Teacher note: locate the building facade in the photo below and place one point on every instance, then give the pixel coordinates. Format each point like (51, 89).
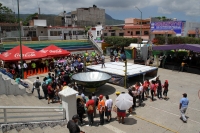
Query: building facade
(9, 30)
(133, 26)
(88, 16)
(113, 30)
(66, 33)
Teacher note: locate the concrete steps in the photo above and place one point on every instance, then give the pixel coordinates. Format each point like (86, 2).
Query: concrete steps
(28, 100)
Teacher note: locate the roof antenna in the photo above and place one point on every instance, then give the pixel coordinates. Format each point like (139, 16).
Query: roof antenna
(38, 8)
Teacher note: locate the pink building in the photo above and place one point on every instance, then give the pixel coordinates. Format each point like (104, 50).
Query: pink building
(132, 28)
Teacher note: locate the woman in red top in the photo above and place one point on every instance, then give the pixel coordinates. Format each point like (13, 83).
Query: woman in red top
(146, 87)
(165, 86)
(50, 93)
(152, 88)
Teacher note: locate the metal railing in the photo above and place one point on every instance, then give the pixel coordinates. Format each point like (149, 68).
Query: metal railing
(49, 38)
(15, 39)
(12, 114)
(96, 45)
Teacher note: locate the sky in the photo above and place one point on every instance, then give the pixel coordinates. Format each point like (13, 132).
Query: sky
(188, 10)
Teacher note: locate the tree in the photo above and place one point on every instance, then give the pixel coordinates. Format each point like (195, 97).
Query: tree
(87, 28)
(6, 15)
(120, 41)
(26, 21)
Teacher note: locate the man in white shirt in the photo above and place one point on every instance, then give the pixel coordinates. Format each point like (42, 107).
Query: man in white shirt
(108, 104)
(103, 61)
(140, 91)
(25, 66)
(19, 69)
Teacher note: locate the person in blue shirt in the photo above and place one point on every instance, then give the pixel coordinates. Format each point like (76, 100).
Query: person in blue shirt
(183, 107)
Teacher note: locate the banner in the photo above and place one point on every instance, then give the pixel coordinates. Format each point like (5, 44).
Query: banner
(176, 26)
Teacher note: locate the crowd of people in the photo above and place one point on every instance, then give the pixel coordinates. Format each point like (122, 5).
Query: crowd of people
(61, 72)
(138, 91)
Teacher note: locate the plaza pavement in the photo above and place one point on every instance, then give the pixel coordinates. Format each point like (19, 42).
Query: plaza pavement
(160, 116)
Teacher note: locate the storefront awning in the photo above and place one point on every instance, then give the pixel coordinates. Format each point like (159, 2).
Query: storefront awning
(192, 47)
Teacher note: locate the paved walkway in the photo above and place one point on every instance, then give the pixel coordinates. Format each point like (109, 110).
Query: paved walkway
(160, 116)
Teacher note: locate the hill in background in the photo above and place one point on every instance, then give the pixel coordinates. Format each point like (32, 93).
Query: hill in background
(56, 20)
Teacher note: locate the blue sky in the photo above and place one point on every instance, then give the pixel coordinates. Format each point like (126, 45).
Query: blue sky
(188, 10)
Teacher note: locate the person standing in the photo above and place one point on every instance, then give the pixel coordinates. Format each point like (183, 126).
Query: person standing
(94, 97)
(183, 107)
(103, 61)
(25, 66)
(159, 88)
(19, 69)
(152, 86)
(108, 109)
(80, 109)
(101, 108)
(165, 86)
(36, 85)
(72, 126)
(50, 93)
(44, 88)
(121, 114)
(90, 110)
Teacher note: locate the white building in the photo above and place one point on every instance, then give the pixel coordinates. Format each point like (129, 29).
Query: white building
(96, 32)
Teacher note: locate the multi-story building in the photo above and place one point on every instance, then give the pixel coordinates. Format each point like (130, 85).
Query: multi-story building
(88, 16)
(113, 30)
(134, 26)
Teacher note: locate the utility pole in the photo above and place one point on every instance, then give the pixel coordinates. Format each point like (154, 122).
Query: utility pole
(125, 74)
(20, 41)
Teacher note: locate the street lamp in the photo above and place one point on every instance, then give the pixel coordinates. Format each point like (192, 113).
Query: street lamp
(20, 41)
(140, 24)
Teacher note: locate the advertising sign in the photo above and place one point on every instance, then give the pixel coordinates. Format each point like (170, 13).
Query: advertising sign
(176, 26)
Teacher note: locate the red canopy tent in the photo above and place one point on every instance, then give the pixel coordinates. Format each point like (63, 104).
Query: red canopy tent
(53, 51)
(27, 54)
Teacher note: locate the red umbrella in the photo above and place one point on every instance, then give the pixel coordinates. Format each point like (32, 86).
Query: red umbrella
(53, 50)
(27, 54)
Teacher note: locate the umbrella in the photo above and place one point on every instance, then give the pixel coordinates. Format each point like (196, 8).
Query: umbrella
(124, 101)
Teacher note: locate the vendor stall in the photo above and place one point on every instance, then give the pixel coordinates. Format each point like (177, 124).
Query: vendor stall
(54, 51)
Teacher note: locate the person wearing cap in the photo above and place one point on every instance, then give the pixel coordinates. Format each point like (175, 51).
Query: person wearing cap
(101, 108)
(183, 107)
(72, 126)
(117, 93)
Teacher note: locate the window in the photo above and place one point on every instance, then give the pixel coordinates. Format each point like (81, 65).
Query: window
(131, 33)
(98, 33)
(74, 32)
(121, 34)
(59, 33)
(51, 33)
(41, 31)
(137, 32)
(80, 32)
(105, 34)
(112, 34)
(128, 32)
(32, 33)
(146, 32)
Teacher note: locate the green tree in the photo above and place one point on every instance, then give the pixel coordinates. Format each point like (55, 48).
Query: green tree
(6, 15)
(26, 21)
(120, 41)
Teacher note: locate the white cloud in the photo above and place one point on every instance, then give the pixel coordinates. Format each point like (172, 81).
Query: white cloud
(163, 11)
(188, 7)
